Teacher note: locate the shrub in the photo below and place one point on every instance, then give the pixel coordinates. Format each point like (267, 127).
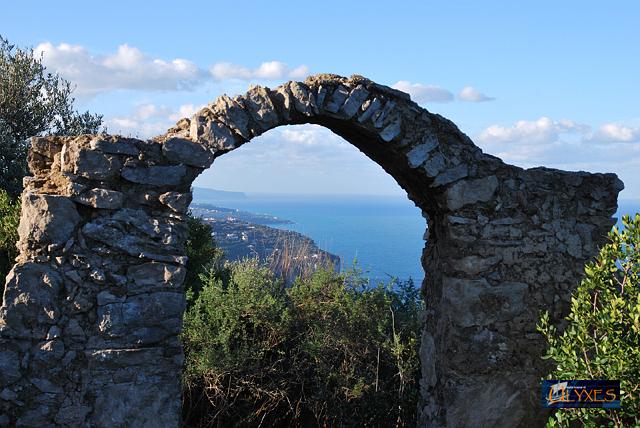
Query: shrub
(329, 351)
(202, 252)
(9, 219)
(602, 338)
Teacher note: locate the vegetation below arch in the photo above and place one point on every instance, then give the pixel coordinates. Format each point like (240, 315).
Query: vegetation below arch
(327, 351)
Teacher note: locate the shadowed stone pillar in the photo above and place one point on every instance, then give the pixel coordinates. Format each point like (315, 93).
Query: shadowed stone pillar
(92, 310)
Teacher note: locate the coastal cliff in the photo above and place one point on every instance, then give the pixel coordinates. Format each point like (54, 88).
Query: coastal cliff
(240, 235)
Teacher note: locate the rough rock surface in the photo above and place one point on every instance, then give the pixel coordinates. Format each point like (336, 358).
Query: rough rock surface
(92, 310)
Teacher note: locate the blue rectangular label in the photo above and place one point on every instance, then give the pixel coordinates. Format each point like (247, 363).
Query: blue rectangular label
(581, 393)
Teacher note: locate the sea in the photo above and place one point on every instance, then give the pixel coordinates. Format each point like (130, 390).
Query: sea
(380, 235)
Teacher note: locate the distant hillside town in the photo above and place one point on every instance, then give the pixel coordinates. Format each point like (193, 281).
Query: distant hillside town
(241, 234)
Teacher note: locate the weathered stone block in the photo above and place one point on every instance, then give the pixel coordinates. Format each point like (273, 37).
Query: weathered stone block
(101, 198)
(261, 108)
(106, 298)
(51, 351)
(8, 395)
(148, 404)
(115, 146)
(112, 234)
(94, 165)
(74, 329)
(473, 302)
(434, 165)
(219, 136)
(233, 115)
(420, 153)
(9, 367)
(379, 118)
(133, 232)
(147, 318)
(392, 131)
(471, 191)
(72, 414)
(172, 175)
(46, 219)
(303, 100)
(181, 150)
(453, 174)
(283, 97)
(338, 98)
(354, 101)
(151, 275)
(179, 202)
(473, 401)
(321, 95)
(428, 361)
(31, 303)
(46, 146)
(196, 127)
(372, 108)
(473, 265)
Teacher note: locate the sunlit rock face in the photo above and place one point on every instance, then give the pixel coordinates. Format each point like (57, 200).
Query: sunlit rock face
(93, 308)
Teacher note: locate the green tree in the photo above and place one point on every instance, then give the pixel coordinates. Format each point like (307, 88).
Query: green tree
(202, 252)
(33, 102)
(329, 350)
(602, 338)
(9, 219)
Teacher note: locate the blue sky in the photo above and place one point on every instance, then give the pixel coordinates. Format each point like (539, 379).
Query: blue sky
(536, 83)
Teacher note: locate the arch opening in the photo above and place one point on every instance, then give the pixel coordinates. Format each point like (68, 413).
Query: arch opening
(327, 190)
(97, 289)
(318, 213)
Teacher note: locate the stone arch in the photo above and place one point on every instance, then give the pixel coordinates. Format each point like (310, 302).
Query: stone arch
(92, 310)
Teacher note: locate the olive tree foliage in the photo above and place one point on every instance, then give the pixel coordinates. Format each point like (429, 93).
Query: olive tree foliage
(33, 102)
(9, 219)
(602, 338)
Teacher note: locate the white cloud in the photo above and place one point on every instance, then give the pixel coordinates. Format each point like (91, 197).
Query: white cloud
(568, 145)
(271, 70)
(148, 111)
(148, 120)
(424, 93)
(226, 70)
(533, 143)
(185, 110)
(311, 135)
(127, 68)
(299, 159)
(471, 94)
(543, 130)
(306, 147)
(300, 72)
(616, 133)
(130, 68)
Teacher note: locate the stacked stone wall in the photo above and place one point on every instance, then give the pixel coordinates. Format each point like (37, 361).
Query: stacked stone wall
(91, 315)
